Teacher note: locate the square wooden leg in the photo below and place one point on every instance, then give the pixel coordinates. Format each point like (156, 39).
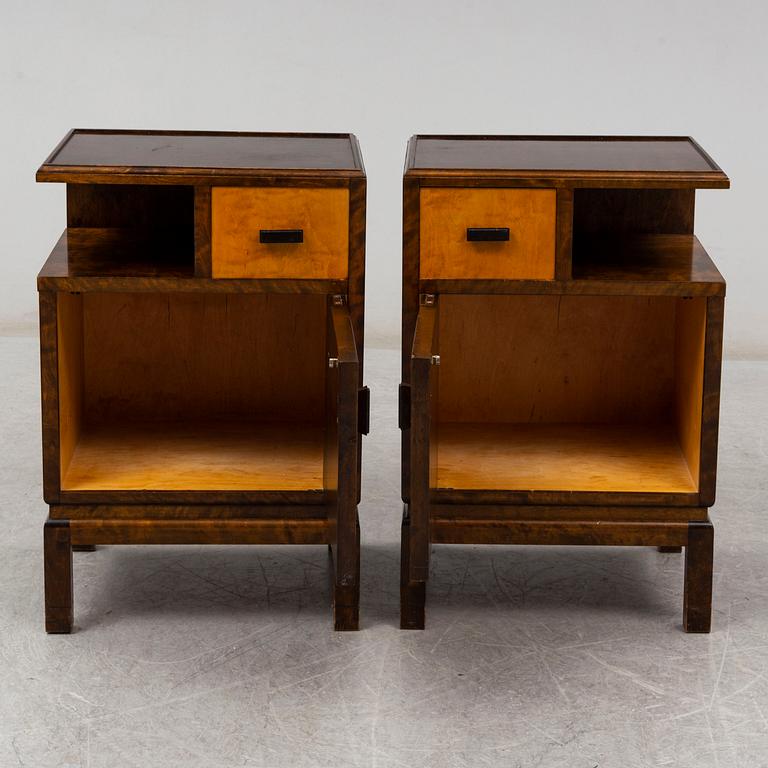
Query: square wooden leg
(57, 558)
(412, 593)
(346, 597)
(697, 601)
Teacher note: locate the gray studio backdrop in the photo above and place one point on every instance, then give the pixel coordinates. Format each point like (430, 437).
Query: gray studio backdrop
(385, 70)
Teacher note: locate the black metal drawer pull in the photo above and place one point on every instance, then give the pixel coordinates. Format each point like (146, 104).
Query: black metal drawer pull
(281, 235)
(487, 234)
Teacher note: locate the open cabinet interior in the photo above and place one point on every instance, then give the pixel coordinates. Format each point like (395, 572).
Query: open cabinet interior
(568, 393)
(192, 391)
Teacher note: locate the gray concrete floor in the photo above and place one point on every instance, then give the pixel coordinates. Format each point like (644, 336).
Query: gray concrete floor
(212, 656)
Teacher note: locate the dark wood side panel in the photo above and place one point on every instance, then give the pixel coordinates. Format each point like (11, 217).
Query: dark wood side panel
(564, 234)
(203, 265)
(710, 415)
(356, 292)
(410, 308)
(346, 410)
(421, 407)
(49, 383)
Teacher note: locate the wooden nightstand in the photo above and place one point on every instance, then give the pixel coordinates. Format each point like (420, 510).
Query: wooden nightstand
(201, 332)
(562, 334)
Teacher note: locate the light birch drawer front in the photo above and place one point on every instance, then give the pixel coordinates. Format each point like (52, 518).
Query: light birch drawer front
(487, 233)
(279, 232)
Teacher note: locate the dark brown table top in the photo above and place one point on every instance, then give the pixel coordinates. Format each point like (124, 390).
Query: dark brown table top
(180, 152)
(606, 156)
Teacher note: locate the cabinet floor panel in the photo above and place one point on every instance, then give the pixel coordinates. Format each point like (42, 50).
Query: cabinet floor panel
(207, 456)
(561, 457)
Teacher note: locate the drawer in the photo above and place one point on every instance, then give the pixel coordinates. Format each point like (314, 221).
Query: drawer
(457, 226)
(279, 232)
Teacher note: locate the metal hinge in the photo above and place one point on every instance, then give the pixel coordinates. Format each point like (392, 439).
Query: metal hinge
(363, 410)
(404, 407)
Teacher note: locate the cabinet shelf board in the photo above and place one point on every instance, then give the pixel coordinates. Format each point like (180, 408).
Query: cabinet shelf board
(116, 260)
(561, 457)
(204, 456)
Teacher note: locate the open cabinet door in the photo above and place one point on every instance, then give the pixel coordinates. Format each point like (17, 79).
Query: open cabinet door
(341, 463)
(415, 540)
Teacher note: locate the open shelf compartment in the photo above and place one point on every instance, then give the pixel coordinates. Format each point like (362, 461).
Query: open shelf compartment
(567, 393)
(193, 392)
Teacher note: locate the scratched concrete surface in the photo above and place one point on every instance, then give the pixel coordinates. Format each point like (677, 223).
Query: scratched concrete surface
(195, 656)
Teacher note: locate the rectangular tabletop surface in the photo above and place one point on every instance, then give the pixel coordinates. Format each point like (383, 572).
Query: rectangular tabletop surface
(605, 155)
(166, 151)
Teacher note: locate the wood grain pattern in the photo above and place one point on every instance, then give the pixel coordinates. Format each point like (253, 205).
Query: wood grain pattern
(70, 374)
(421, 417)
(605, 212)
(697, 592)
(690, 328)
(546, 358)
(569, 409)
(412, 593)
(564, 234)
(667, 260)
(113, 261)
(570, 533)
(544, 498)
(172, 356)
(57, 564)
(203, 265)
(197, 456)
(238, 214)
(568, 512)
(49, 395)
(346, 546)
(200, 531)
(189, 150)
(138, 511)
(194, 410)
(447, 213)
(567, 457)
(581, 161)
(409, 310)
(710, 408)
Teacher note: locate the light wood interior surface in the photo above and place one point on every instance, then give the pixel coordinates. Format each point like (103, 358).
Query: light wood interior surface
(569, 393)
(447, 212)
(238, 213)
(227, 456)
(556, 358)
(246, 372)
(180, 356)
(554, 457)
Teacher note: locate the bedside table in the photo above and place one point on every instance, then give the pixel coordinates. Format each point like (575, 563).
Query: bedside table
(562, 334)
(201, 332)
